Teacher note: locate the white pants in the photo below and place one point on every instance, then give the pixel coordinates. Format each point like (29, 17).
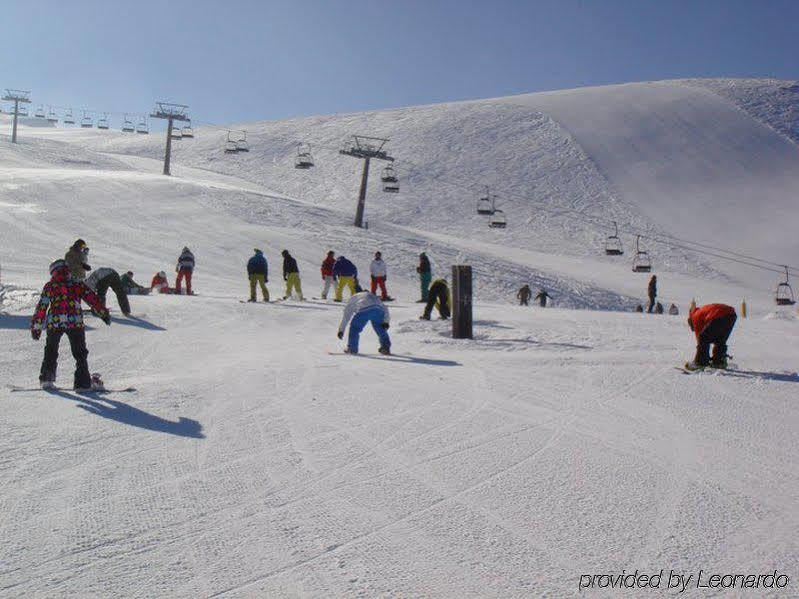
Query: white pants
(328, 279)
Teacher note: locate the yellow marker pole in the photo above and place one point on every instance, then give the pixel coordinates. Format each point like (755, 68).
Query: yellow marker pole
(743, 308)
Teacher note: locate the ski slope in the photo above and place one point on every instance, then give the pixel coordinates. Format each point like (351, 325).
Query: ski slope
(251, 463)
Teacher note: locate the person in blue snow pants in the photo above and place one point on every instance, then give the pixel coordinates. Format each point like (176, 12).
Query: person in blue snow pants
(361, 309)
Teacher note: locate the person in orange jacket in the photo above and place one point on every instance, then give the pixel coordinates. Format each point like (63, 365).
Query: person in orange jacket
(712, 324)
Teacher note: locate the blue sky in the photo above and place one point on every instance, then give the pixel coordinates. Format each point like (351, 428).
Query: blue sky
(247, 60)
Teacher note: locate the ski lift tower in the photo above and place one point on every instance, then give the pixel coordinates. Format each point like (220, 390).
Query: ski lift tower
(16, 96)
(170, 112)
(365, 148)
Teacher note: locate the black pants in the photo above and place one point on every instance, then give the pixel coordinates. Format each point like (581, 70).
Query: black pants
(77, 342)
(524, 301)
(437, 293)
(543, 301)
(114, 282)
(651, 303)
(716, 332)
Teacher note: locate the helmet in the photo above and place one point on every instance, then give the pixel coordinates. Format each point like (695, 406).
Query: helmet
(54, 266)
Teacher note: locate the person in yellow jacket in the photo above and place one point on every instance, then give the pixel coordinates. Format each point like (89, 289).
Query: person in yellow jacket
(291, 274)
(439, 297)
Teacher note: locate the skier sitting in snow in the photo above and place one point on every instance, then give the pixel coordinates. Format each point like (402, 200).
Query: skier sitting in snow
(362, 308)
(103, 278)
(542, 298)
(674, 310)
(347, 275)
(523, 295)
(130, 286)
(160, 283)
(437, 296)
(712, 324)
(327, 272)
(258, 273)
(291, 274)
(76, 259)
(184, 268)
(59, 312)
(379, 273)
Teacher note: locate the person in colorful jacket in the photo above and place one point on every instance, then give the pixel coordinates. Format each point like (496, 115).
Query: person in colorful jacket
(184, 268)
(347, 275)
(379, 273)
(361, 309)
(77, 258)
(291, 274)
(712, 324)
(258, 273)
(327, 272)
(59, 312)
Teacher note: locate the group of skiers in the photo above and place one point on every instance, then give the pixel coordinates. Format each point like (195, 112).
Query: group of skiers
(59, 312)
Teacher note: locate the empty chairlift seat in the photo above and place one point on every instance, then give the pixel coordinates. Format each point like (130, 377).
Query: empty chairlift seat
(86, 121)
(103, 122)
(484, 206)
(390, 180)
(241, 143)
(784, 295)
(40, 112)
(304, 159)
(68, 118)
(642, 262)
(51, 116)
(613, 243)
(187, 131)
(497, 220)
(142, 127)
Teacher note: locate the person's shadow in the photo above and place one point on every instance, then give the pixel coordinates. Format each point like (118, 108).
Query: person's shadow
(783, 377)
(101, 405)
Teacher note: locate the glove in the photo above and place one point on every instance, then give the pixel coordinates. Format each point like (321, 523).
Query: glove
(107, 319)
(86, 267)
(341, 334)
(36, 333)
(385, 325)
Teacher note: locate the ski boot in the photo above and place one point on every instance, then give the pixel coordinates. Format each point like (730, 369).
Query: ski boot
(384, 350)
(47, 384)
(693, 366)
(721, 362)
(347, 350)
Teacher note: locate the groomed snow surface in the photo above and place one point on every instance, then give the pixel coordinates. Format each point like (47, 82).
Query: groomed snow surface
(249, 462)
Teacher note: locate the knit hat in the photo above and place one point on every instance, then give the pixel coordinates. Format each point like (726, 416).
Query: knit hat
(284, 253)
(331, 253)
(54, 266)
(257, 251)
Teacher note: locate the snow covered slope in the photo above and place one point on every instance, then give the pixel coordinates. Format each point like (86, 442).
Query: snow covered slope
(251, 463)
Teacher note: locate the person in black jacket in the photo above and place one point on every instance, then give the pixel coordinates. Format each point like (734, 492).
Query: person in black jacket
(542, 298)
(104, 278)
(425, 275)
(291, 274)
(652, 292)
(437, 297)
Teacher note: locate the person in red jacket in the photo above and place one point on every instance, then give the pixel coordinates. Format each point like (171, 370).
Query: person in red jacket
(712, 324)
(59, 312)
(160, 283)
(327, 272)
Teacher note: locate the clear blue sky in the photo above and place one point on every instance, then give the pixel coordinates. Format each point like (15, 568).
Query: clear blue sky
(238, 60)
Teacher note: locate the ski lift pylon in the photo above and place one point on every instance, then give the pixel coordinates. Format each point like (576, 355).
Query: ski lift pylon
(613, 243)
(641, 263)
(784, 295)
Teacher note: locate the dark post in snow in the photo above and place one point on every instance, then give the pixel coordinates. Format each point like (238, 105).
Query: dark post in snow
(365, 148)
(170, 112)
(461, 301)
(16, 96)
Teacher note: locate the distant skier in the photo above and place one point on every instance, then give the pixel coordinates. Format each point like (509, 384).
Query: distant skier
(542, 298)
(184, 268)
(652, 292)
(258, 273)
(130, 286)
(674, 310)
(291, 274)
(658, 308)
(103, 278)
(77, 258)
(362, 308)
(523, 295)
(438, 297)
(59, 312)
(425, 276)
(327, 273)
(712, 324)
(160, 283)
(347, 274)
(639, 308)
(379, 273)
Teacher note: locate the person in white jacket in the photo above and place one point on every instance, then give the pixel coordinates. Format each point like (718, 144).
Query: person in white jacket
(362, 308)
(379, 275)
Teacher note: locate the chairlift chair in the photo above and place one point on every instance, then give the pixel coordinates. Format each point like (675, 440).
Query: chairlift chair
(176, 133)
(22, 110)
(241, 143)
(304, 160)
(68, 118)
(187, 131)
(391, 187)
(103, 122)
(230, 145)
(388, 175)
(641, 263)
(484, 204)
(497, 220)
(40, 112)
(613, 243)
(86, 121)
(785, 296)
(142, 127)
(51, 115)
